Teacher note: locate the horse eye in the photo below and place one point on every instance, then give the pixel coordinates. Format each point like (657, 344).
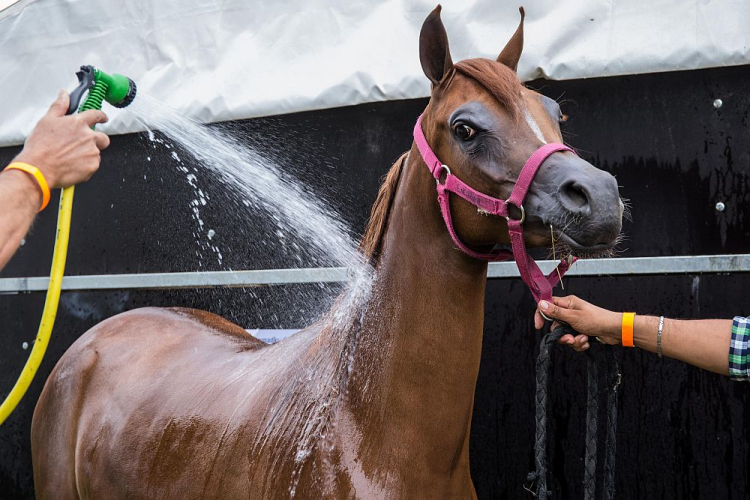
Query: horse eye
(464, 132)
(563, 117)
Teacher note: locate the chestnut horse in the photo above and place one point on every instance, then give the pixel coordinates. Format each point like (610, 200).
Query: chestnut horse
(179, 403)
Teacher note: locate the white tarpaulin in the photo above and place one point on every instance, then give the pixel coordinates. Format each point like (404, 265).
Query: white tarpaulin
(230, 59)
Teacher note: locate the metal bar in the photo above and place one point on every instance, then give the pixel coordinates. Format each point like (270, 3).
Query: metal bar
(691, 264)
(498, 270)
(179, 280)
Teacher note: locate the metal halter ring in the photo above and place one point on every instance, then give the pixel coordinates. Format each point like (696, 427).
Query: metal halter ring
(545, 316)
(447, 171)
(523, 213)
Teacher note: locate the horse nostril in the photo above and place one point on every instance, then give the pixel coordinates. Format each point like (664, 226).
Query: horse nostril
(574, 195)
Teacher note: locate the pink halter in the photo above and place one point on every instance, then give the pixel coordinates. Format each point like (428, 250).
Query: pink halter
(539, 284)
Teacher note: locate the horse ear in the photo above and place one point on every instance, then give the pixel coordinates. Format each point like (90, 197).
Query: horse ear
(512, 51)
(434, 53)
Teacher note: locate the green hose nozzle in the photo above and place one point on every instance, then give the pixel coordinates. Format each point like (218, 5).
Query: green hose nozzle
(118, 90)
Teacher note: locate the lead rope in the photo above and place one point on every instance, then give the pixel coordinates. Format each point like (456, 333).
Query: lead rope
(594, 361)
(613, 382)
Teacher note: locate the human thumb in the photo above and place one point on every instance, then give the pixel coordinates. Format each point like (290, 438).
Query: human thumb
(551, 310)
(60, 106)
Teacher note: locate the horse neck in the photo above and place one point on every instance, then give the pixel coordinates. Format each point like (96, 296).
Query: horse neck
(417, 359)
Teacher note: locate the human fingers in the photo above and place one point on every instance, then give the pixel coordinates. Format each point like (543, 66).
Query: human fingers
(60, 105)
(93, 116)
(581, 347)
(555, 310)
(538, 319)
(102, 140)
(568, 302)
(580, 342)
(566, 339)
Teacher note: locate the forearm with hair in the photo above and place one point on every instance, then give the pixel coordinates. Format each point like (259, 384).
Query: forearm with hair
(21, 199)
(702, 342)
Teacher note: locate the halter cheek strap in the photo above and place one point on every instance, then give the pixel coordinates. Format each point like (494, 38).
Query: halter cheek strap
(539, 284)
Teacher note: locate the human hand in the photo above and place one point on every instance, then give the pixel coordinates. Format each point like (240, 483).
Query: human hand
(65, 148)
(585, 318)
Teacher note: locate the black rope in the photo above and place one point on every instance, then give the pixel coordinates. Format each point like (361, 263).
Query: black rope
(613, 381)
(540, 443)
(592, 423)
(611, 371)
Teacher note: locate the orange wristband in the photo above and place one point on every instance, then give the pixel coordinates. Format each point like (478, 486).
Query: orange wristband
(37, 175)
(627, 329)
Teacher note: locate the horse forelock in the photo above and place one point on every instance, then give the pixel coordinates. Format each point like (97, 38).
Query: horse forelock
(372, 239)
(496, 78)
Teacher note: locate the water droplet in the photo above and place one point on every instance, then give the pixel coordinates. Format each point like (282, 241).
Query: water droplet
(720, 207)
(211, 234)
(718, 103)
(25, 346)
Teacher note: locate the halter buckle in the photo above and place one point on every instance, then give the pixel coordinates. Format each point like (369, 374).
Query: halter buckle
(520, 207)
(440, 170)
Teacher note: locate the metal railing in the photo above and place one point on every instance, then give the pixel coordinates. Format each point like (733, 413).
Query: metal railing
(497, 270)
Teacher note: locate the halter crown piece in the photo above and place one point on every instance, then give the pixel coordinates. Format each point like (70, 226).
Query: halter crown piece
(539, 284)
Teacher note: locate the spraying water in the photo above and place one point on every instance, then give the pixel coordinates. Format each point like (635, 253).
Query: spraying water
(256, 184)
(255, 181)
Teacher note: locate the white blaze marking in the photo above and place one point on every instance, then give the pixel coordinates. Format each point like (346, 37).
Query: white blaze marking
(534, 127)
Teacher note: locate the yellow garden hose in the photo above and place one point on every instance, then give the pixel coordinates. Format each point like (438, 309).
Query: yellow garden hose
(50, 306)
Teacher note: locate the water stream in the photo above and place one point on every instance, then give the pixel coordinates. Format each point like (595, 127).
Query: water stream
(307, 228)
(309, 379)
(256, 181)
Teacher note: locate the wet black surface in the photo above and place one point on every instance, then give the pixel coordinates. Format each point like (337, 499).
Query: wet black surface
(682, 433)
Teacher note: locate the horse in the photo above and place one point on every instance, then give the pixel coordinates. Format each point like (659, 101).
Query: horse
(180, 403)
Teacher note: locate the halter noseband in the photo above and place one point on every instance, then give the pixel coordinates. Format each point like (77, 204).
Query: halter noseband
(539, 284)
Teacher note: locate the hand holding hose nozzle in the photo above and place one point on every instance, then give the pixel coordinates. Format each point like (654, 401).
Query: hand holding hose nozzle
(61, 147)
(65, 149)
(71, 149)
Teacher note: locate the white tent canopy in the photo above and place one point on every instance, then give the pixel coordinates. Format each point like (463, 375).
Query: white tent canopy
(221, 60)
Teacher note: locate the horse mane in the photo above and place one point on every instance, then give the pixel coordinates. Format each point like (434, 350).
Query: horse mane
(372, 239)
(496, 78)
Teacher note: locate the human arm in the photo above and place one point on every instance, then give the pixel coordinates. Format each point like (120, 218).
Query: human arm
(702, 343)
(65, 150)
(21, 198)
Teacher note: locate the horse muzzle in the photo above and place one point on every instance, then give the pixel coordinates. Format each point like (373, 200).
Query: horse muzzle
(580, 202)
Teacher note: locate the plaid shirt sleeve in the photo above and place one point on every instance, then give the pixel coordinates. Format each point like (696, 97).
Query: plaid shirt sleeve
(739, 349)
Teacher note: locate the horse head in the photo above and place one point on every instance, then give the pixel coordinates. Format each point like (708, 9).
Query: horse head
(484, 124)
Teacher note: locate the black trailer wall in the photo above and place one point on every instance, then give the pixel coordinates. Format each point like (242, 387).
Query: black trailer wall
(683, 433)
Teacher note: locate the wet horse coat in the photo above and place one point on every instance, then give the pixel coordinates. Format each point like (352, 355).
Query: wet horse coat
(179, 403)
